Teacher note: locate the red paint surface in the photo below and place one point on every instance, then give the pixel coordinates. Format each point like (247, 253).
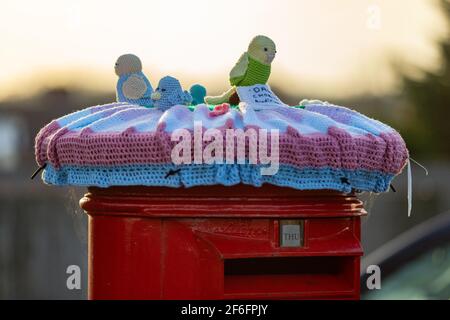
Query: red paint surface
(221, 243)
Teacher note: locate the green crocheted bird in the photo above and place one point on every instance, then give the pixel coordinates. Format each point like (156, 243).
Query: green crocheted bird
(253, 67)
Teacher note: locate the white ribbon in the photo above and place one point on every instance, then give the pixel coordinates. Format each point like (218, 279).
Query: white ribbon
(410, 182)
(409, 189)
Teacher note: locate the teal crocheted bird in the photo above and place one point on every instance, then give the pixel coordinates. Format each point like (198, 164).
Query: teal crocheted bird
(132, 86)
(198, 93)
(253, 67)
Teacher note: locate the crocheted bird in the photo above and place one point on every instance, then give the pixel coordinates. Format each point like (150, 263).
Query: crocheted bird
(132, 86)
(198, 93)
(253, 67)
(169, 93)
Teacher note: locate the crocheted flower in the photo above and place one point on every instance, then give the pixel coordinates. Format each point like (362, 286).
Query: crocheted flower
(220, 109)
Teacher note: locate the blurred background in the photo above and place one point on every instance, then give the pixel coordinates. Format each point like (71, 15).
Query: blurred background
(387, 59)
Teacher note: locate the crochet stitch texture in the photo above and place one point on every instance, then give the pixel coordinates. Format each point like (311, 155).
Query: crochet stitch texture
(126, 80)
(169, 93)
(256, 73)
(320, 147)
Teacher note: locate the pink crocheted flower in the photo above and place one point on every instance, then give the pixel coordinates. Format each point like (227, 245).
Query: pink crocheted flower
(220, 109)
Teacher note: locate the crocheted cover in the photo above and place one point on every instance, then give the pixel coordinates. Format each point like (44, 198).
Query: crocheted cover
(321, 147)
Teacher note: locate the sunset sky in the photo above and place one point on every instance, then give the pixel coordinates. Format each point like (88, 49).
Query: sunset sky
(328, 46)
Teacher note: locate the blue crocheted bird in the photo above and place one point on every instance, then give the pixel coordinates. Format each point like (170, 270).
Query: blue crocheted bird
(198, 93)
(132, 86)
(169, 93)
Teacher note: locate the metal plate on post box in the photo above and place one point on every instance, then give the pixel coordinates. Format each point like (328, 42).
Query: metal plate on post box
(291, 233)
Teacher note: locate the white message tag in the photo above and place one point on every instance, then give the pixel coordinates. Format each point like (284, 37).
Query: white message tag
(259, 97)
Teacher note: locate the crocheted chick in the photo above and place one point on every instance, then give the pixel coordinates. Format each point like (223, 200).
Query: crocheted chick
(198, 93)
(253, 67)
(132, 86)
(169, 93)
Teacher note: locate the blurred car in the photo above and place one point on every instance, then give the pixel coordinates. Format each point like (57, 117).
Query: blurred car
(415, 265)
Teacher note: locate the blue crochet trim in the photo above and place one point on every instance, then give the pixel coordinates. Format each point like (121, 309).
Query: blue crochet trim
(169, 175)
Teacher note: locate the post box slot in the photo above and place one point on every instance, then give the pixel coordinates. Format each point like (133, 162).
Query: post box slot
(292, 276)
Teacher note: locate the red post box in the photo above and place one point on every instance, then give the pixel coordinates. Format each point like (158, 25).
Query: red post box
(218, 242)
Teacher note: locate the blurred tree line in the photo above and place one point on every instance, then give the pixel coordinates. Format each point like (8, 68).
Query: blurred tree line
(428, 130)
